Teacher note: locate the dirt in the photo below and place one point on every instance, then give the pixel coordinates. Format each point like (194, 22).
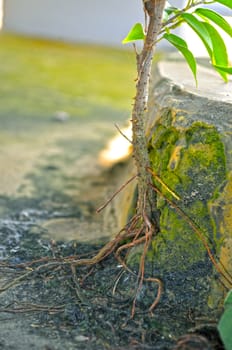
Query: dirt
(52, 184)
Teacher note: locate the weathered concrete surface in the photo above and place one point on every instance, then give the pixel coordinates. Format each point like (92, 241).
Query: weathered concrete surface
(190, 142)
(51, 185)
(210, 85)
(50, 170)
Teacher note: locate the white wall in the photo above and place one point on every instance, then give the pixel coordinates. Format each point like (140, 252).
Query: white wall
(1, 14)
(93, 21)
(101, 21)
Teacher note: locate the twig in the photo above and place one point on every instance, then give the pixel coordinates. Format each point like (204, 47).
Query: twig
(120, 131)
(117, 281)
(15, 281)
(76, 283)
(115, 194)
(27, 307)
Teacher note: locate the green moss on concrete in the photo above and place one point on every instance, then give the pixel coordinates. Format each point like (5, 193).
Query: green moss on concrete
(221, 212)
(191, 163)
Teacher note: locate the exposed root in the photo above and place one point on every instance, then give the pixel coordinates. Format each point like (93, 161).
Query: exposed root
(139, 231)
(160, 289)
(29, 307)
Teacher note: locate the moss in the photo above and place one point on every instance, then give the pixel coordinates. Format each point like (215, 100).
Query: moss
(191, 163)
(221, 213)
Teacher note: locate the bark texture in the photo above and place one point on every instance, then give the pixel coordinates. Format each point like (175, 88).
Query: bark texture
(154, 10)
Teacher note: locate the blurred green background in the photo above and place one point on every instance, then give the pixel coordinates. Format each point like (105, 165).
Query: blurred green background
(40, 77)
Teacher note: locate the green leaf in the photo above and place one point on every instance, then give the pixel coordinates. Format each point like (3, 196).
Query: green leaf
(136, 33)
(169, 9)
(216, 18)
(223, 68)
(200, 30)
(166, 12)
(219, 53)
(175, 40)
(182, 46)
(165, 16)
(224, 328)
(211, 39)
(226, 3)
(228, 300)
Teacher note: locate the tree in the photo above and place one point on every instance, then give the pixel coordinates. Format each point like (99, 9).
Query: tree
(155, 31)
(162, 18)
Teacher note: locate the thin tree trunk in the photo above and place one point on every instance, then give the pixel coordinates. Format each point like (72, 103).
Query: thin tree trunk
(154, 10)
